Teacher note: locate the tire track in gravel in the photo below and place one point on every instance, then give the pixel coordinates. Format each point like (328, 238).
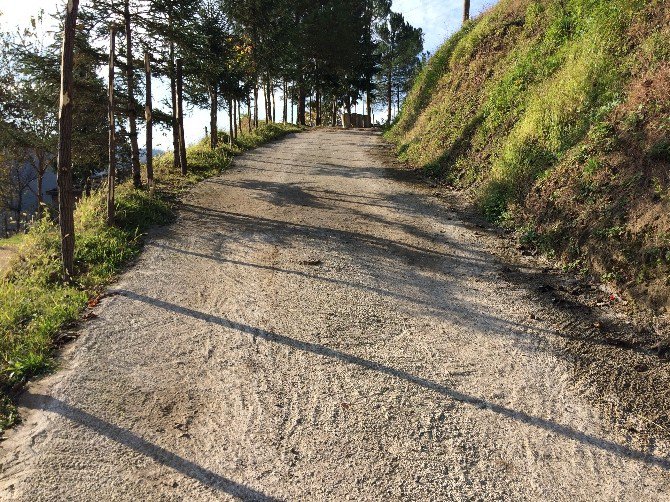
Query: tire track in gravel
(312, 329)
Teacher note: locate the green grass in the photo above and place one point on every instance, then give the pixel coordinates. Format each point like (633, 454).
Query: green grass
(12, 241)
(518, 87)
(554, 115)
(36, 305)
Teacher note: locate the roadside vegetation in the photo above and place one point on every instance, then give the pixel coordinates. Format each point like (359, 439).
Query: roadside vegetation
(36, 305)
(555, 115)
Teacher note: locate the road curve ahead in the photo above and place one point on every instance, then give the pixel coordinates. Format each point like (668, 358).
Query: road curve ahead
(313, 329)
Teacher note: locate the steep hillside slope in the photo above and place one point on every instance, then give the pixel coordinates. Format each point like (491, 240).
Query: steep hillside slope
(556, 114)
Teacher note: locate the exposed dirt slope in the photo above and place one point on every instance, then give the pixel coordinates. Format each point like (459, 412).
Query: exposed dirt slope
(313, 329)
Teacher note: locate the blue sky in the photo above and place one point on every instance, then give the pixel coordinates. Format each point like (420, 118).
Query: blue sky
(437, 18)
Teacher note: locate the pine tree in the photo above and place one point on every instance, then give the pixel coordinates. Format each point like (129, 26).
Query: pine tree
(400, 44)
(130, 89)
(66, 197)
(111, 111)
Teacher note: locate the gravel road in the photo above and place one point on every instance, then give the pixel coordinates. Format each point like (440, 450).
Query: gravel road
(313, 329)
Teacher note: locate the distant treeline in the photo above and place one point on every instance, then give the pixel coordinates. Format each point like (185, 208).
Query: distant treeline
(323, 56)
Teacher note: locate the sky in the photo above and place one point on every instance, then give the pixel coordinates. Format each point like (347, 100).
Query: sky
(437, 18)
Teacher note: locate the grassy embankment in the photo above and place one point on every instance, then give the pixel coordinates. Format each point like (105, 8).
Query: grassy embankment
(556, 115)
(36, 305)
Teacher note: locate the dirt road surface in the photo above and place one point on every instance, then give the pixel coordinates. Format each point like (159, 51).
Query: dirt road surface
(313, 329)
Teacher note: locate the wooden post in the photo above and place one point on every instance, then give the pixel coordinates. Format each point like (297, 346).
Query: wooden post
(180, 117)
(64, 169)
(111, 172)
(148, 116)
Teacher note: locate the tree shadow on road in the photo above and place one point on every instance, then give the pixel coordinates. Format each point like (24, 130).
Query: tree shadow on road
(143, 447)
(385, 257)
(279, 194)
(324, 351)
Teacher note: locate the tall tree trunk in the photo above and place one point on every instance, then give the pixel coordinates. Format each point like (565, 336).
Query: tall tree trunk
(274, 103)
(398, 101)
(19, 207)
(239, 117)
(213, 117)
(234, 103)
(269, 100)
(292, 104)
(111, 171)
(466, 11)
(389, 95)
(256, 106)
(180, 117)
(40, 187)
(230, 122)
(175, 123)
(266, 101)
(132, 112)
(40, 165)
(334, 118)
(318, 107)
(64, 165)
(148, 116)
(285, 109)
(368, 43)
(249, 112)
(302, 97)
